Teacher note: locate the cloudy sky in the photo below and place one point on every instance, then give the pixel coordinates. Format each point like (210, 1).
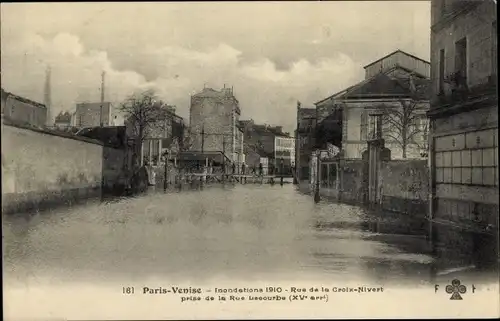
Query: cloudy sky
(272, 53)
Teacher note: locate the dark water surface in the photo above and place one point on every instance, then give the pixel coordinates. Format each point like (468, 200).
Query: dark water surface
(243, 231)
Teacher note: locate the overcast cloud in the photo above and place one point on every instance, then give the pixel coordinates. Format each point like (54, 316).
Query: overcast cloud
(272, 53)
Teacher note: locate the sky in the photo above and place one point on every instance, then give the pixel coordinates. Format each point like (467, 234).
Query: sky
(272, 53)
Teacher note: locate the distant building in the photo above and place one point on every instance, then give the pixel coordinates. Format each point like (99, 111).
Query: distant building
(93, 115)
(214, 124)
(464, 113)
(396, 82)
(23, 110)
(284, 149)
(166, 133)
(269, 142)
(304, 141)
(63, 120)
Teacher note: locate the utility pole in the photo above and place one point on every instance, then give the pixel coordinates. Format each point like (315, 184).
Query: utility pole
(223, 158)
(165, 182)
(202, 138)
(316, 192)
(281, 171)
(102, 97)
(202, 147)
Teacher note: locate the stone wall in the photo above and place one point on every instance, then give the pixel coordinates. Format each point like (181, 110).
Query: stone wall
(353, 181)
(42, 168)
(404, 186)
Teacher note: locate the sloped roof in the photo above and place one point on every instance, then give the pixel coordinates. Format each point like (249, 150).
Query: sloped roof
(393, 53)
(6, 94)
(63, 117)
(258, 150)
(207, 92)
(307, 113)
(381, 85)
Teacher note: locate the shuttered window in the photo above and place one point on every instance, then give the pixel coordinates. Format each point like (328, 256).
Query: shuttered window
(364, 125)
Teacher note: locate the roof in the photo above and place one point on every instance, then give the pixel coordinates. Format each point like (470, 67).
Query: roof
(395, 52)
(381, 85)
(111, 135)
(22, 99)
(199, 156)
(259, 150)
(63, 117)
(307, 113)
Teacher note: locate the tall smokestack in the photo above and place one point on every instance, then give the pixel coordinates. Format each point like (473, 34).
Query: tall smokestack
(103, 75)
(47, 100)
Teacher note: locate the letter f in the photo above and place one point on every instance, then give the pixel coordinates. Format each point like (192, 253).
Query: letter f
(436, 287)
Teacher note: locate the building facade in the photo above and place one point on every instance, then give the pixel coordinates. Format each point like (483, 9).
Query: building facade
(464, 113)
(396, 86)
(304, 141)
(284, 149)
(63, 120)
(23, 110)
(214, 123)
(166, 133)
(93, 115)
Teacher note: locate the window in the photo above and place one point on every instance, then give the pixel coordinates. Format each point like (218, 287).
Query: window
(461, 58)
(441, 72)
(155, 152)
(476, 166)
(364, 125)
(372, 124)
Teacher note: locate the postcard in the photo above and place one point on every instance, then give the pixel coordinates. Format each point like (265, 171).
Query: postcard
(250, 160)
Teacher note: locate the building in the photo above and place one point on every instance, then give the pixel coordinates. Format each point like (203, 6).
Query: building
(93, 115)
(284, 149)
(23, 110)
(304, 141)
(464, 113)
(395, 86)
(166, 133)
(214, 124)
(268, 144)
(63, 120)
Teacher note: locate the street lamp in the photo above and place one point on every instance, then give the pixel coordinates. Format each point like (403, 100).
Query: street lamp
(166, 158)
(281, 171)
(317, 197)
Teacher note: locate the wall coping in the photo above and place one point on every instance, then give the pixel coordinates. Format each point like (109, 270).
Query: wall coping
(405, 161)
(17, 124)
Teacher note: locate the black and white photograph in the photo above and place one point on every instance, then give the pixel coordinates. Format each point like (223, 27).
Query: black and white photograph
(249, 160)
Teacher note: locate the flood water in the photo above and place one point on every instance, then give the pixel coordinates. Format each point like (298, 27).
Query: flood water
(242, 231)
(57, 262)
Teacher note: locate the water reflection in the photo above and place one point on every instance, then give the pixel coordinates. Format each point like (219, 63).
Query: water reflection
(244, 230)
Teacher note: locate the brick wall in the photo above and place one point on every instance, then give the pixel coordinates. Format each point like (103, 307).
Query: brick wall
(404, 186)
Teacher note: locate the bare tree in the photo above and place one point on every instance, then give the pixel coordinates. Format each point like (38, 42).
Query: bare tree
(405, 124)
(141, 111)
(187, 142)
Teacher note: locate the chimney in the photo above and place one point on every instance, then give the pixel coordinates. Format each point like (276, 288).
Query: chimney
(47, 100)
(103, 75)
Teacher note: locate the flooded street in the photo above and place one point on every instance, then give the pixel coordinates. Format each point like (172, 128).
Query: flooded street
(225, 237)
(242, 231)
